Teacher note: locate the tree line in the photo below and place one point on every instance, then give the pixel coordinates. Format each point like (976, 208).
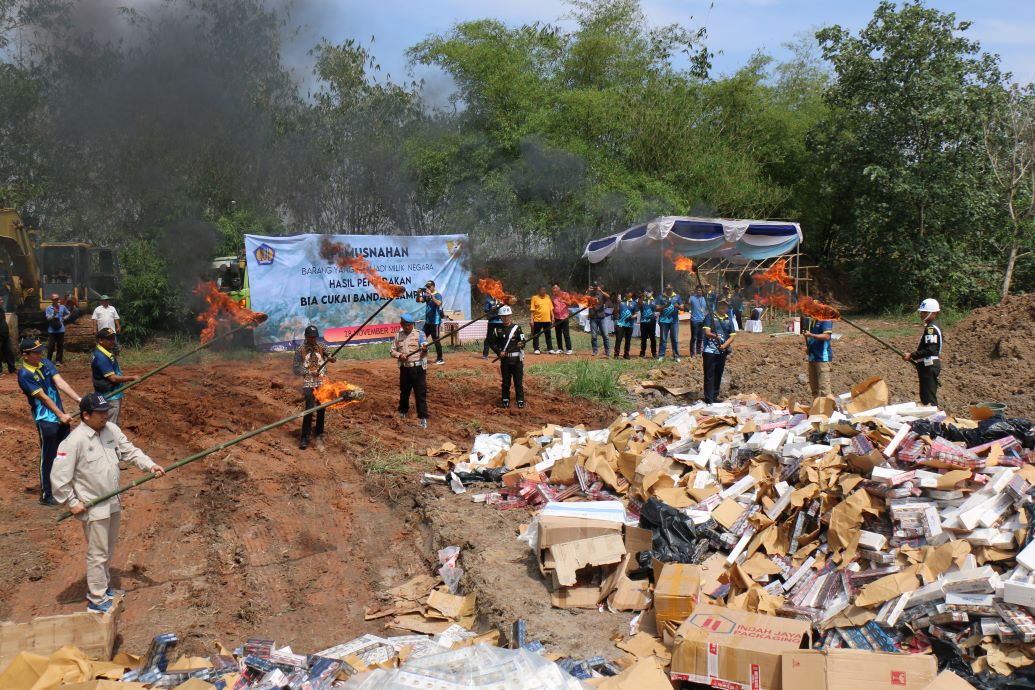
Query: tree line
(903, 149)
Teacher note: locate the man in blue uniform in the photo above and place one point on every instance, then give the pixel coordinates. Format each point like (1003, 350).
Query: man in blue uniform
(648, 319)
(668, 322)
(698, 311)
(927, 356)
(718, 333)
(491, 309)
(56, 315)
(40, 381)
(107, 373)
(626, 313)
(818, 336)
(432, 316)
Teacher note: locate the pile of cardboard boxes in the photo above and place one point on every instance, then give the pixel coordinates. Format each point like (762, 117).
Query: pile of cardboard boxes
(827, 544)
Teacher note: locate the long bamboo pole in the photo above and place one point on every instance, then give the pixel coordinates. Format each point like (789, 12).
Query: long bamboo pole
(441, 338)
(880, 340)
(179, 358)
(349, 395)
(355, 333)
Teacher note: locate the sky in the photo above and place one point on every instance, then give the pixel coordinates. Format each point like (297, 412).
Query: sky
(736, 28)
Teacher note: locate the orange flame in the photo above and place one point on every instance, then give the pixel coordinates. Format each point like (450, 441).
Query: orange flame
(777, 274)
(817, 310)
(584, 301)
(682, 263)
(494, 289)
(341, 254)
(219, 305)
(335, 389)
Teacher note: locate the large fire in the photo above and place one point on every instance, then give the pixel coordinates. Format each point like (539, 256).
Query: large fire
(336, 389)
(494, 289)
(341, 254)
(779, 283)
(682, 263)
(775, 275)
(584, 301)
(221, 310)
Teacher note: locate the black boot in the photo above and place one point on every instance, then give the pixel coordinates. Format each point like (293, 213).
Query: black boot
(304, 442)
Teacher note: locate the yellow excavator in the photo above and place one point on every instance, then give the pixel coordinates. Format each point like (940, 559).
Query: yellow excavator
(31, 271)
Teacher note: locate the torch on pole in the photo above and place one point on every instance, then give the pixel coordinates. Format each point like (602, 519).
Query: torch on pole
(880, 340)
(355, 333)
(258, 318)
(345, 397)
(457, 330)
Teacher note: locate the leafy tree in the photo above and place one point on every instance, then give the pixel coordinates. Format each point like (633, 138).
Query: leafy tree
(904, 170)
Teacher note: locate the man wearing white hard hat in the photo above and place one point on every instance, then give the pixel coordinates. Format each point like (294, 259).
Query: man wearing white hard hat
(508, 342)
(927, 356)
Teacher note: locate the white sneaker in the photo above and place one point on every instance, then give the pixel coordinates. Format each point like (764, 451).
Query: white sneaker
(440, 362)
(423, 424)
(661, 359)
(570, 352)
(537, 352)
(555, 352)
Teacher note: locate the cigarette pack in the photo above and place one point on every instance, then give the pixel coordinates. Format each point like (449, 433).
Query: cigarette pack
(1020, 621)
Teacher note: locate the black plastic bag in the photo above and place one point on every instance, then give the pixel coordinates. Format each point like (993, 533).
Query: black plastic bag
(489, 474)
(988, 430)
(675, 537)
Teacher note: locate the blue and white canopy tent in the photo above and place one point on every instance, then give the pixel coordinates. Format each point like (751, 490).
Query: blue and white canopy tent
(729, 241)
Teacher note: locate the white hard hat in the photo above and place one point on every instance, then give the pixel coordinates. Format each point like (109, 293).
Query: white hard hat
(930, 304)
(506, 311)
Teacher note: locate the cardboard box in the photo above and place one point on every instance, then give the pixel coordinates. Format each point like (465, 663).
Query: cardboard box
(623, 593)
(105, 685)
(677, 592)
(947, 680)
(559, 529)
(734, 649)
(570, 557)
(92, 633)
(849, 669)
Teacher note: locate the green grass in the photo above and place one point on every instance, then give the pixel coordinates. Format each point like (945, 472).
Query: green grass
(592, 379)
(380, 461)
(456, 374)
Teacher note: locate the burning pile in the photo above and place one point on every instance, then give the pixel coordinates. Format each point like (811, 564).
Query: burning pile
(343, 256)
(220, 308)
(874, 525)
(779, 286)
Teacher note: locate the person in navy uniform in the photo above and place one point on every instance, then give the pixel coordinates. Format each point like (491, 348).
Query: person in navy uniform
(927, 356)
(56, 315)
(40, 381)
(491, 309)
(432, 316)
(625, 309)
(719, 331)
(508, 344)
(648, 318)
(107, 373)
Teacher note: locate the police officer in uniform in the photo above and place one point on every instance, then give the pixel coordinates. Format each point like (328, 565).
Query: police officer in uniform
(87, 467)
(107, 372)
(410, 348)
(508, 344)
(310, 360)
(927, 357)
(719, 331)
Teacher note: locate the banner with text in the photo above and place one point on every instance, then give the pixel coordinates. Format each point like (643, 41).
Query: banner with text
(295, 287)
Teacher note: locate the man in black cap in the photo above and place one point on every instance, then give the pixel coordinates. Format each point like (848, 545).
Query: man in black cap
(40, 381)
(432, 316)
(107, 372)
(310, 363)
(86, 468)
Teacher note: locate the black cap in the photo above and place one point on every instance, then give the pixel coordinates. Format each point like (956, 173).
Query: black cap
(94, 402)
(32, 344)
(430, 283)
(105, 333)
(312, 331)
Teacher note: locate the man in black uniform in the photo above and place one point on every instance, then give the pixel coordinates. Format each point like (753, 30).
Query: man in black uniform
(927, 357)
(508, 342)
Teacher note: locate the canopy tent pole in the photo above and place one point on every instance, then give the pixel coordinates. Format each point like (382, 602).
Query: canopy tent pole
(661, 288)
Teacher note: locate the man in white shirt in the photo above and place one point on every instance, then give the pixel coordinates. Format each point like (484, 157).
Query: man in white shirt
(106, 316)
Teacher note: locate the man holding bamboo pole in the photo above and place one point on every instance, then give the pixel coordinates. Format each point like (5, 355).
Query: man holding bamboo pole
(310, 360)
(87, 467)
